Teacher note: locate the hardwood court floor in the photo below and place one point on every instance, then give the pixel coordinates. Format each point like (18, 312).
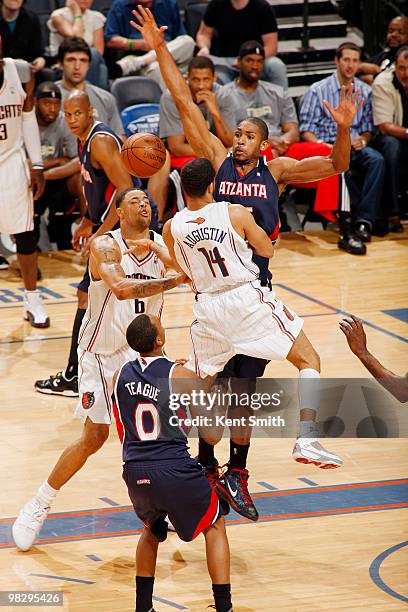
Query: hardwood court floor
(327, 540)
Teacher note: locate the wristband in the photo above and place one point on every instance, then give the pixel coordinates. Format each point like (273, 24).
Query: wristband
(77, 16)
(130, 44)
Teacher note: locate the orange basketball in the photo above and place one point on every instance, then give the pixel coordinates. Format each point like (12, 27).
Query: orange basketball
(143, 154)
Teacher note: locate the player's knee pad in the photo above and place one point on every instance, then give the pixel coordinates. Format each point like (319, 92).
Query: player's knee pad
(26, 243)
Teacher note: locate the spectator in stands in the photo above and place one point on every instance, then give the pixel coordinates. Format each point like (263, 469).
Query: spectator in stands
(390, 106)
(76, 19)
(316, 125)
(219, 113)
(249, 96)
(138, 58)
(397, 36)
(231, 23)
(21, 35)
(74, 56)
(61, 165)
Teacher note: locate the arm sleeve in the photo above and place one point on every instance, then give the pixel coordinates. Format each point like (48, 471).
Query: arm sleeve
(267, 20)
(115, 122)
(383, 103)
(288, 114)
(228, 108)
(170, 122)
(69, 143)
(310, 113)
(112, 25)
(210, 15)
(35, 47)
(31, 137)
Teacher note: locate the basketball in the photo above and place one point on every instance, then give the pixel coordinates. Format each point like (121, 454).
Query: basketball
(143, 154)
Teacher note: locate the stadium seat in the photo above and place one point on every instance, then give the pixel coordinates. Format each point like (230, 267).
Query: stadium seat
(141, 118)
(135, 90)
(193, 13)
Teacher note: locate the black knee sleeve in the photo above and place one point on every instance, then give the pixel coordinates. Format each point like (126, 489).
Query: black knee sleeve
(26, 243)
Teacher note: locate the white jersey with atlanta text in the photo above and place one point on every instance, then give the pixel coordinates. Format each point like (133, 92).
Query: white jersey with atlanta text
(103, 329)
(209, 250)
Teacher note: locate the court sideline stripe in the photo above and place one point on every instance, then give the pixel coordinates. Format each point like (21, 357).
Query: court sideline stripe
(320, 489)
(232, 522)
(374, 571)
(342, 312)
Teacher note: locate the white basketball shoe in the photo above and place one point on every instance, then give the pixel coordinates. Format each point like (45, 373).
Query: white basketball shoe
(34, 311)
(28, 524)
(310, 450)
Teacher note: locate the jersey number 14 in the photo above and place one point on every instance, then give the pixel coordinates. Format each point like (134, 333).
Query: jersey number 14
(213, 256)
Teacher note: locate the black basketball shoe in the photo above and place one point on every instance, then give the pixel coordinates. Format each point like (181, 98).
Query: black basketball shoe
(233, 488)
(58, 385)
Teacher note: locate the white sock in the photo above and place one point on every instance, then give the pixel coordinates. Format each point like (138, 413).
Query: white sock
(46, 494)
(309, 398)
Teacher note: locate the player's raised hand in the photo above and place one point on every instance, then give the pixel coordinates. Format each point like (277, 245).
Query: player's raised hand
(146, 24)
(344, 114)
(354, 331)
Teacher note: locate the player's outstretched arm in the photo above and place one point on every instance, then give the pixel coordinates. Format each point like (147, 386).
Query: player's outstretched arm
(196, 131)
(244, 224)
(285, 170)
(356, 338)
(105, 264)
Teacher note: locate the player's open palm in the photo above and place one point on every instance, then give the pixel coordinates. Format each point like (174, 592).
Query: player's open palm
(145, 23)
(344, 114)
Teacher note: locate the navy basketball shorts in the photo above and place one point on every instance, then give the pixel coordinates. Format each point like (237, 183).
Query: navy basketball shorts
(175, 488)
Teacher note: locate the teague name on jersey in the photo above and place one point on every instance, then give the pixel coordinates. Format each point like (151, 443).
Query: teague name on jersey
(143, 389)
(205, 233)
(9, 111)
(250, 190)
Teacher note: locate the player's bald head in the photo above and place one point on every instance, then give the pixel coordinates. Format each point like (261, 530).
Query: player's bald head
(77, 98)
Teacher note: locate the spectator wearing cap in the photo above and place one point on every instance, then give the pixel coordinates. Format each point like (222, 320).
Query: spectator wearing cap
(397, 36)
(128, 42)
(61, 164)
(252, 97)
(77, 19)
(227, 24)
(390, 107)
(74, 56)
(21, 35)
(317, 125)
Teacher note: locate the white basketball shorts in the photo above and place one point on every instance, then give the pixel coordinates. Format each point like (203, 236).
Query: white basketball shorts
(248, 320)
(16, 198)
(95, 374)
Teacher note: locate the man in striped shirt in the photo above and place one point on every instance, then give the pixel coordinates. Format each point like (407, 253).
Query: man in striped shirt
(316, 125)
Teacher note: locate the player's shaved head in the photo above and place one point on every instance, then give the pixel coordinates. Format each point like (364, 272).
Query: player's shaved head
(79, 98)
(143, 333)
